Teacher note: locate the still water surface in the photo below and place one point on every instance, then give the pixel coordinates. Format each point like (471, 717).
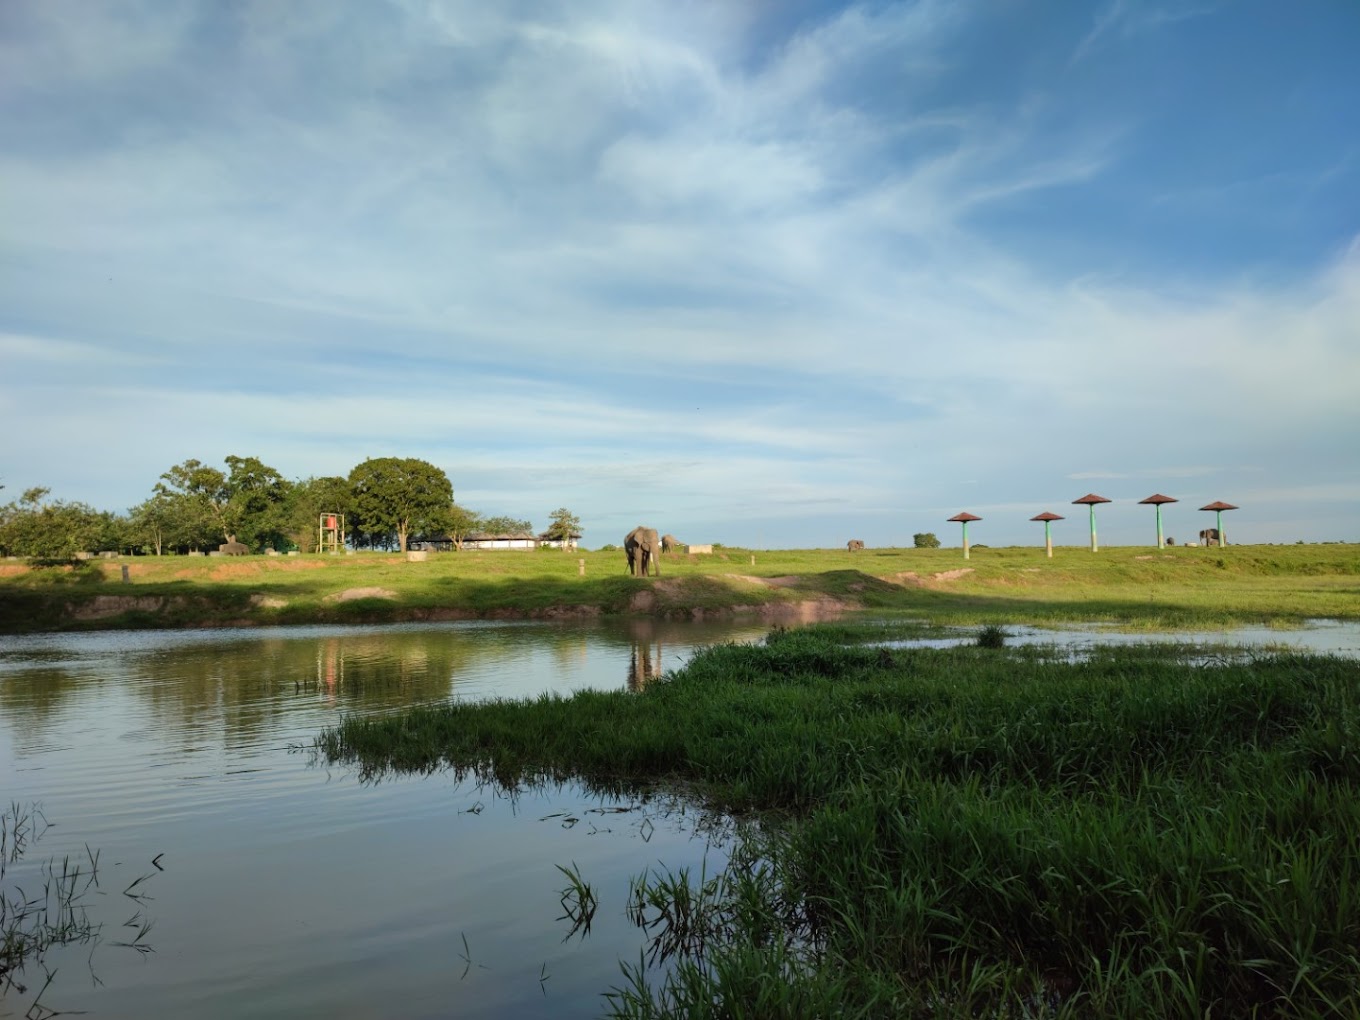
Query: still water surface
(292, 890)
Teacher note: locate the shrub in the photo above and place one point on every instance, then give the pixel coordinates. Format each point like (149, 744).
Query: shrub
(925, 540)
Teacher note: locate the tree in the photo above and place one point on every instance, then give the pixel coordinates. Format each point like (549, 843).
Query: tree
(925, 540)
(195, 501)
(257, 503)
(399, 495)
(49, 530)
(312, 497)
(505, 526)
(563, 526)
(459, 522)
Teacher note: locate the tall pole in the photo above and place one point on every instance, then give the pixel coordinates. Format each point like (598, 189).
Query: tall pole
(1095, 547)
(1048, 538)
(965, 540)
(1160, 543)
(1218, 523)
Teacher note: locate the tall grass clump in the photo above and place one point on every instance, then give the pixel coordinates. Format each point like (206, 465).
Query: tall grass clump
(959, 832)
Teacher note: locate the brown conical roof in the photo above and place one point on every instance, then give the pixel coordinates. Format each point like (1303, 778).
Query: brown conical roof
(1091, 497)
(1220, 505)
(1158, 498)
(965, 516)
(1046, 516)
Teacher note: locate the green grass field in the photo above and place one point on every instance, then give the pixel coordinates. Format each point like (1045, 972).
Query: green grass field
(1128, 586)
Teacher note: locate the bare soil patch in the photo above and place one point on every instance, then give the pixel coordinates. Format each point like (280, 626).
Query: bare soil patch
(910, 577)
(350, 594)
(787, 581)
(103, 606)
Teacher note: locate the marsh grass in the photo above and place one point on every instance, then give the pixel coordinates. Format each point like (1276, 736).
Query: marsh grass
(51, 911)
(966, 832)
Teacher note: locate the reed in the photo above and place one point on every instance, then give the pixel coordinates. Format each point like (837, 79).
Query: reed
(968, 831)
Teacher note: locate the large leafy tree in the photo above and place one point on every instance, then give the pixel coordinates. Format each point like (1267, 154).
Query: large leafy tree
(398, 495)
(194, 497)
(202, 505)
(256, 511)
(49, 529)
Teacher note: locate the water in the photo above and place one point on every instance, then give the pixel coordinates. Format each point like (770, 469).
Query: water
(292, 890)
(1323, 637)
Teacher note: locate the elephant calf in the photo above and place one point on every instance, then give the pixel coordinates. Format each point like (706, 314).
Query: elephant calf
(854, 545)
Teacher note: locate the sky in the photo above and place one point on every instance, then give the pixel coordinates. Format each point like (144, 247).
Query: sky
(772, 273)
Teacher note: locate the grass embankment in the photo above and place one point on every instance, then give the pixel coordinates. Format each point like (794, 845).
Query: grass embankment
(969, 832)
(1178, 587)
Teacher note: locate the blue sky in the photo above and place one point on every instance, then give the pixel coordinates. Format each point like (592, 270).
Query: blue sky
(774, 274)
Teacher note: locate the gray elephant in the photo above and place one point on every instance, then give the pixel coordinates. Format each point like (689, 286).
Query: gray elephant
(854, 545)
(669, 543)
(643, 549)
(1210, 536)
(234, 548)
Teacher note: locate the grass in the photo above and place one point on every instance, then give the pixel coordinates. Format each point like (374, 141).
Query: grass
(1130, 587)
(970, 831)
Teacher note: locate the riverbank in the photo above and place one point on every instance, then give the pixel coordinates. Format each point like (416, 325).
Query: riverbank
(1134, 587)
(978, 831)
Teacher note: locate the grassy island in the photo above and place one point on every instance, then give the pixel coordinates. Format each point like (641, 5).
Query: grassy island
(972, 832)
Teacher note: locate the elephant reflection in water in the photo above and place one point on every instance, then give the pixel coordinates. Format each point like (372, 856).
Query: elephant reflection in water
(644, 665)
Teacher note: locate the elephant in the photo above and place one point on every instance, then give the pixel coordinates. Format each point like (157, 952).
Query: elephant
(234, 548)
(669, 543)
(1210, 536)
(854, 545)
(643, 549)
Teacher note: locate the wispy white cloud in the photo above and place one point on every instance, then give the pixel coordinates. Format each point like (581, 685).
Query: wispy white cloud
(803, 270)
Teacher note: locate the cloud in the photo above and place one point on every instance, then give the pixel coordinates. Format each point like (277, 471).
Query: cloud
(805, 266)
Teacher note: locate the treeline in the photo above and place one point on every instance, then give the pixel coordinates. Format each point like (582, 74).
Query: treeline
(194, 507)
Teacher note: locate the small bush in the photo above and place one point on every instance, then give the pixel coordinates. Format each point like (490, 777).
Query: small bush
(992, 636)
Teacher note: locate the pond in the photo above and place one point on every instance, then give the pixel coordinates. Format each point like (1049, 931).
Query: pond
(278, 888)
(1318, 637)
(275, 887)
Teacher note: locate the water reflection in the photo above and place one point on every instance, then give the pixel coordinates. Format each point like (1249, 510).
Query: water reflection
(177, 743)
(647, 661)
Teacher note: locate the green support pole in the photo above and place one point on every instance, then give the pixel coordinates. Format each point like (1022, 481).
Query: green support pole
(1048, 538)
(1218, 521)
(1160, 543)
(1094, 546)
(965, 540)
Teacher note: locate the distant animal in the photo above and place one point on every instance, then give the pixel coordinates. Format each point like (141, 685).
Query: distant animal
(643, 550)
(1210, 536)
(854, 545)
(1170, 540)
(234, 549)
(669, 543)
